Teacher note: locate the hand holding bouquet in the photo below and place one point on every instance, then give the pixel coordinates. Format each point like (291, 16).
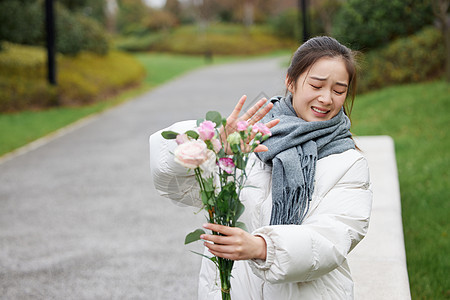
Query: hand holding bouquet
(218, 153)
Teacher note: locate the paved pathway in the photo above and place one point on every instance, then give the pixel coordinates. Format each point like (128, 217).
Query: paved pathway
(79, 218)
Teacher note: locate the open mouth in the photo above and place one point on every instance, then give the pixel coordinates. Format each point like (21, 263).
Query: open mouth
(320, 111)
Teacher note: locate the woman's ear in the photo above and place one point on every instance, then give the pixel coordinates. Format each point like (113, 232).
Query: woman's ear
(288, 84)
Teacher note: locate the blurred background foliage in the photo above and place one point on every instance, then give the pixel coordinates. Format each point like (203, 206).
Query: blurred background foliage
(106, 47)
(389, 34)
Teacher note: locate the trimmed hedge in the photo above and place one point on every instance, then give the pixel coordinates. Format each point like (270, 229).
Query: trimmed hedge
(84, 78)
(216, 39)
(416, 58)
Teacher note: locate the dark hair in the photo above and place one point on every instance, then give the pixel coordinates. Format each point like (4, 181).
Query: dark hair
(324, 46)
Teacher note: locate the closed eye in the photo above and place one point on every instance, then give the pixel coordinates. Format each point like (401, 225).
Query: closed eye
(315, 87)
(339, 93)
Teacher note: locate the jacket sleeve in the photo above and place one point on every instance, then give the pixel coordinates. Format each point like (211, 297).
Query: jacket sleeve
(170, 179)
(298, 253)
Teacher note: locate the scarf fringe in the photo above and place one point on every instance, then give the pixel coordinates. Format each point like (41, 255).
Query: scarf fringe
(292, 211)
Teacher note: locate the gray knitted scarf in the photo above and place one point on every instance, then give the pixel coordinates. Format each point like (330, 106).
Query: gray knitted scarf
(294, 148)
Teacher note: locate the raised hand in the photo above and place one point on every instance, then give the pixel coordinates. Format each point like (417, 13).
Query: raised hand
(252, 116)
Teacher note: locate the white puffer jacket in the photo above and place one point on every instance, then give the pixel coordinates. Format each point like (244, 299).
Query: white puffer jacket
(306, 261)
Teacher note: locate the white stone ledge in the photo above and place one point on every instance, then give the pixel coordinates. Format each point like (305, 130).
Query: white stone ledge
(378, 263)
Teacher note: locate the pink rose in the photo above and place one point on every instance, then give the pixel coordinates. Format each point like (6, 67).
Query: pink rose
(226, 164)
(217, 145)
(206, 130)
(182, 138)
(191, 154)
(263, 129)
(242, 125)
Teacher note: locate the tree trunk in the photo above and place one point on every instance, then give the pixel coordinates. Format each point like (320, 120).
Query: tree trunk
(440, 9)
(111, 9)
(446, 34)
(249, 8)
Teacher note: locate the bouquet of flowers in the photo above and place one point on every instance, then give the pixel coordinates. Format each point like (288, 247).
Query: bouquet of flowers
(218, 159)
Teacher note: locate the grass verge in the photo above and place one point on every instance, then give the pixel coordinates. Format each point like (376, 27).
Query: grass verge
(82, 79)
(417, 117)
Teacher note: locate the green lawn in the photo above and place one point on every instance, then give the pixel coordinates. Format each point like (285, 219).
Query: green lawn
(418, 118)
(162, 67)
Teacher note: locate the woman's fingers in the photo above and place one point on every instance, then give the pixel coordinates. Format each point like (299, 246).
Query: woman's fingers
(217, 239)
(253, 115)
(225, 230)
(261, 148)
(237, 109)
(272, 123)
(260, 114)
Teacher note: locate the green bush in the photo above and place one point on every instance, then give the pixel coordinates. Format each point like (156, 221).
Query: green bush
(216, 39)
(286, 24)
(84, 78)
(23, 23)
(76, 33)
(367, 25)
(413, 59)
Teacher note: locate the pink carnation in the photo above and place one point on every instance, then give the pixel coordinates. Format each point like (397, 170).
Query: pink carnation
(206, 130)
(263, 129)
(242, 125)
(226, 164)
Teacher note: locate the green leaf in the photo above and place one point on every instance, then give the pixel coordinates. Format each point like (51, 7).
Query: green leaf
(213, 259)
(240, 163)
(199, 121)
(240, 210)
(234, 148)
(221, 153)
(193, 236)
(241, 225)
(169, 135)
(215, 117)
(192, 134)
(221, 204)
(204, 197)
(209, 185)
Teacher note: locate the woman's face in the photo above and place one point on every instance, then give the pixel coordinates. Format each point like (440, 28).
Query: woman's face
(320, 92)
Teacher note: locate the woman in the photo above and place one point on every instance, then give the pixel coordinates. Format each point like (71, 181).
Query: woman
(313, 199)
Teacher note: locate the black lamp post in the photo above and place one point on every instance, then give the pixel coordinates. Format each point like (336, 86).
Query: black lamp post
(303, 6)
(50, 30)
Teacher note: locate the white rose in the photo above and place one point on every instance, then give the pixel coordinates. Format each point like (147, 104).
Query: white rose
(209, 165)
(191, 154)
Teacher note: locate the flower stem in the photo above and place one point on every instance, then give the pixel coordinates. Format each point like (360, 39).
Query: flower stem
(225, 267)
